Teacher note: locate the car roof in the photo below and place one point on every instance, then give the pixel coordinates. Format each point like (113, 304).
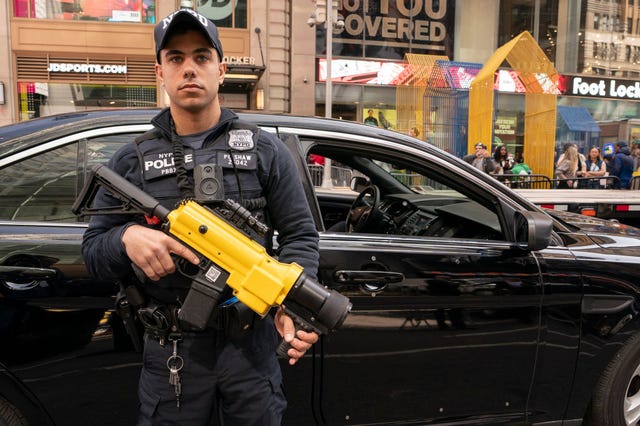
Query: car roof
(22, 135)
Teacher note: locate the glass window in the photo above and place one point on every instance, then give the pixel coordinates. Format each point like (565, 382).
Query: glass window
(41, 99)
(516, 17)
(87, 10)
(44, 187)
(409, 198)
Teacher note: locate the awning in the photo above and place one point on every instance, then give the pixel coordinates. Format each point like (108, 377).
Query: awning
(242, 77)
(578, 119)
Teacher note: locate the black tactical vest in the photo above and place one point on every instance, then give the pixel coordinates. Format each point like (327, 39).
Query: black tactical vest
(241, 181)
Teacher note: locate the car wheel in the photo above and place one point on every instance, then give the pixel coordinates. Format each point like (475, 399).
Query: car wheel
(616, 400)
(10, 415)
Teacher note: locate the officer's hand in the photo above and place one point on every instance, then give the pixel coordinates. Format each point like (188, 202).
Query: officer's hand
(300, 341)
(151, 250)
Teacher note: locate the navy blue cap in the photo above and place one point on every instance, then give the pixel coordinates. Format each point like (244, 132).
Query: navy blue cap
(192, 19)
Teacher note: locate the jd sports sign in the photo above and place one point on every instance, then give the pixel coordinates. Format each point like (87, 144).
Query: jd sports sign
(66, 67)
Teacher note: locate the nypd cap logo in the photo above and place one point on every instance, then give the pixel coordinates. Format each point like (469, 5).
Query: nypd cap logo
(241, 139)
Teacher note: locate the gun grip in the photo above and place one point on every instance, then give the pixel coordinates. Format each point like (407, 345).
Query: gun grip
(283, 348)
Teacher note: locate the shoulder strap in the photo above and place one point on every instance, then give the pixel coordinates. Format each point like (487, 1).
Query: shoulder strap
(148, 135)
(242, 124)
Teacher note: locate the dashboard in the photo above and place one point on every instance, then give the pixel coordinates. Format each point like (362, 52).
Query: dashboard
(424, 215)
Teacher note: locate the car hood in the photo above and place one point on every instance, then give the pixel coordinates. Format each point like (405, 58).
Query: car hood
(594, 225)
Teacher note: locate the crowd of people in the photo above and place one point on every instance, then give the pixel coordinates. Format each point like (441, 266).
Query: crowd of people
(501, 164)
(572, 168)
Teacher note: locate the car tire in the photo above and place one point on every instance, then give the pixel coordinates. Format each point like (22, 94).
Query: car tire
(618, 387)
(10, 415)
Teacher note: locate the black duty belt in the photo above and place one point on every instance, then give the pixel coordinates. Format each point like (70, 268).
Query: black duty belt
(161, 321)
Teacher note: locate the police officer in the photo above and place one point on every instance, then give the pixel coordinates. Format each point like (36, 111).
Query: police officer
(230, 367)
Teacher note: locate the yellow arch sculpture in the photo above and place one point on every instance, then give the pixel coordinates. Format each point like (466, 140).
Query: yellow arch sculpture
(540, 79)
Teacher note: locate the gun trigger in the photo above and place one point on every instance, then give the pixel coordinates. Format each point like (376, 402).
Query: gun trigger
(152, 220)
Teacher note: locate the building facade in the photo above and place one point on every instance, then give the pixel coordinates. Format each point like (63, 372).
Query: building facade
(71, 55)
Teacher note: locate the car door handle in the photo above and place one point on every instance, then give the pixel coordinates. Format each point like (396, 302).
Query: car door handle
(16, 273)
(605, 304)
(368, 277)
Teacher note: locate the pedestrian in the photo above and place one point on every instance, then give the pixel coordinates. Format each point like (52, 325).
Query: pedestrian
(370, 120)
(567, 168)
(503, 160)
(596, 168)
(581, 170)
(520, 173)
(414, 131)
(635, 154)
(230, 369)
(504, 163)
(622, 165)
(520, 168)
(481, 158)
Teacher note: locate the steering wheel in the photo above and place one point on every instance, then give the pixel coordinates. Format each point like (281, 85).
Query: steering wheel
(365, 215)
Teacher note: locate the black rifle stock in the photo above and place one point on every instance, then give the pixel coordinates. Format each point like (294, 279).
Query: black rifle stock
(227, 257)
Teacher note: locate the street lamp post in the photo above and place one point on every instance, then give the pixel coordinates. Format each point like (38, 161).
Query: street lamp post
(326, 171)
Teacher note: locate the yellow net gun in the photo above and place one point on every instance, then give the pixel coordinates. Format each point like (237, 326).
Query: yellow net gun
(227, 257)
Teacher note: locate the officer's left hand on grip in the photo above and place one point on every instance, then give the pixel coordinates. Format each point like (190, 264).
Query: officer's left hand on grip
(300, 342)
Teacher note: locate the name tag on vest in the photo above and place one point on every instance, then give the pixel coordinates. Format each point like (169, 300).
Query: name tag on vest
(245, 160)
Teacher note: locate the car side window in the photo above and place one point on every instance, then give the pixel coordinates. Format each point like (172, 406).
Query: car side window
(407, 198)
(44, 187)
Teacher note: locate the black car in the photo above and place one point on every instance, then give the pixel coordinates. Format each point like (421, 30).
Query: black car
(471, 305)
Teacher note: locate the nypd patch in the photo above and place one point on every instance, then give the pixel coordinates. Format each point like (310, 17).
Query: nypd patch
(241, 139)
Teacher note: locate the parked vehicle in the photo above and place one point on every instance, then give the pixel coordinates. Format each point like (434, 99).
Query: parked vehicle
(470, 303)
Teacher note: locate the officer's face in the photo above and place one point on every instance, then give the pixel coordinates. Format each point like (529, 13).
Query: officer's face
(191, 72)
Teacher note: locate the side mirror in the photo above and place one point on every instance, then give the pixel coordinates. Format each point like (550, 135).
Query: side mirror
(533, 230)
(359, 183)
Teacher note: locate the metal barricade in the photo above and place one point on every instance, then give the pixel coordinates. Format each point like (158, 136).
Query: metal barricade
(340, 176)
(601, 182)
(529, 181)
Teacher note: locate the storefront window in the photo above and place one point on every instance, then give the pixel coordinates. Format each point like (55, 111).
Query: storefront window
(40, 99)
(87, 10)
(225, 14)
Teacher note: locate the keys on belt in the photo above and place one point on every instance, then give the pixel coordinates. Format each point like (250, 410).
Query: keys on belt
(161, 323)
